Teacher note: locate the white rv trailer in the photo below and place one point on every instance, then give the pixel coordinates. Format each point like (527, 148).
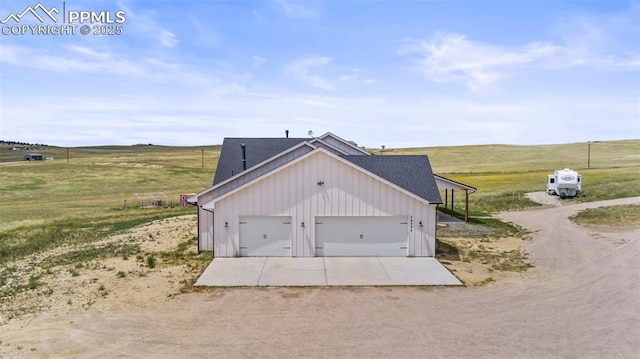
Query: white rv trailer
(564, 183)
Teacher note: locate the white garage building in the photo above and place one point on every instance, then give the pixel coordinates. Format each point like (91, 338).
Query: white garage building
(307, 197)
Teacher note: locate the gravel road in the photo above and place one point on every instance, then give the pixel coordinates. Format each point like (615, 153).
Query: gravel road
(582, 300)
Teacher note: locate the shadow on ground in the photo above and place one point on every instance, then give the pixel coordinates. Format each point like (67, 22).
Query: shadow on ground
(445, 251)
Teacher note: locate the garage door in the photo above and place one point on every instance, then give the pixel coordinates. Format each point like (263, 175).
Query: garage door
(361, 236)
(265, 236)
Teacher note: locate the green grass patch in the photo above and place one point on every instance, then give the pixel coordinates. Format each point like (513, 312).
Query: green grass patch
(151, 262)
(23, 241)
(184, 253)
(500, 229)
(33, 282)
(88, 253)
(619, 216)
(479, 227)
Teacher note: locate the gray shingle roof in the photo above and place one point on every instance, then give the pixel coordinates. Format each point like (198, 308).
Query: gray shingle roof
(257, 149)
(411, 172)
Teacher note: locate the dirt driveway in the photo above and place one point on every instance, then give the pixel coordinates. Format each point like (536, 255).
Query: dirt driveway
(581, 300)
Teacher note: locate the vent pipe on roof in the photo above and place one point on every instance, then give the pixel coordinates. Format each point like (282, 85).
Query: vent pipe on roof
(286, 132)
(244, 156)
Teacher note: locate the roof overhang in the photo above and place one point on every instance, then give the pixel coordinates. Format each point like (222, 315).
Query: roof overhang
(445, 183)
(209, 206)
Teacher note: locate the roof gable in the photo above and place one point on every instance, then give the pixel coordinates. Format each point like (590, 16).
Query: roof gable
(425, 192)
(348, 147)
(411, 172)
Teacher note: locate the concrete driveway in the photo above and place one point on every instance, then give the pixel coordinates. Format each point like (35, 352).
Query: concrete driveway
(325, 271)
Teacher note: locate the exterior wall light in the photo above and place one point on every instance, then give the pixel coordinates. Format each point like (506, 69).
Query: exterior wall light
(320, 183)
(421, 225)
(226, 224)
(302, 225)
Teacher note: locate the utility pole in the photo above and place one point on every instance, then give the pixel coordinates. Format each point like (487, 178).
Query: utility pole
(589, 152)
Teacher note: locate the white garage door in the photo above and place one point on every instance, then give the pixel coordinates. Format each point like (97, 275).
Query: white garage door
(361, 236)
(265, 236)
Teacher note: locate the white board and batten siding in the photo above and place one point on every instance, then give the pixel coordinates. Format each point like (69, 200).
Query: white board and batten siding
(205, 230)
(294, 191)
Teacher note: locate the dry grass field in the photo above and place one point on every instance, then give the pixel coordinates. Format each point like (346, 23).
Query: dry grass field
(70, 243)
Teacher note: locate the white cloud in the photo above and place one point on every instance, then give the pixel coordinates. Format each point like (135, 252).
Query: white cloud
(147, 70)
(302, 68)
(320, 72)
(348, 77)
(166, 37)
(297, 9)
(143, 22)
(75, 58)
(258, 61)
(587, 41)
(257, 15)
(453, 57)
(203, 33)
(603, 42)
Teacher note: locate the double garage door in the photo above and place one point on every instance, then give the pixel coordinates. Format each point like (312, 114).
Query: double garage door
(361, 236)
(335, 236)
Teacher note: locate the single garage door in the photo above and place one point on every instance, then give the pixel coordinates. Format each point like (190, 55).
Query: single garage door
(265, 236)
(361, 236)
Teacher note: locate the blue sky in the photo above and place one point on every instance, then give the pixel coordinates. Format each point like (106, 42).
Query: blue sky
(393, 73)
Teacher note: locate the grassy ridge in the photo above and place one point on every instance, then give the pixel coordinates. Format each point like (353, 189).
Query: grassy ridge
(536, 158)
(97, 181)
(504, 173)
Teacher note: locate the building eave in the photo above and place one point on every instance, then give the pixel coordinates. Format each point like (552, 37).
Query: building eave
(460, 185)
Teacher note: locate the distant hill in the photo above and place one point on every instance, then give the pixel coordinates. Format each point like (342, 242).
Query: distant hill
(18, 143)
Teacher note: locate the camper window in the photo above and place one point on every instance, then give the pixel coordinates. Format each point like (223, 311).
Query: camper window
(552, 180)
